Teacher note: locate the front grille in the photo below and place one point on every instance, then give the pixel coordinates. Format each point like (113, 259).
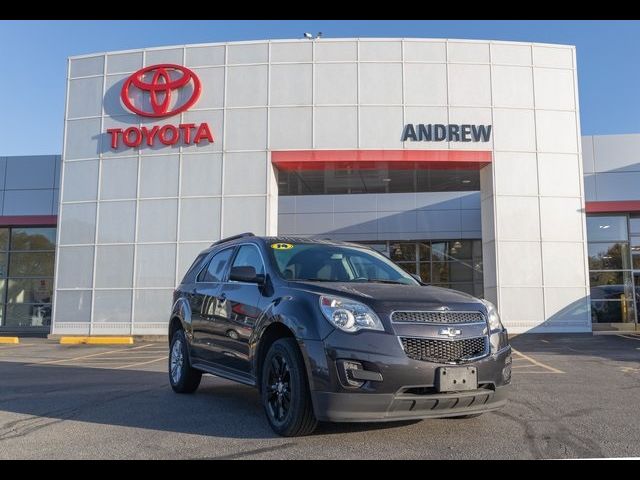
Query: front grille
(444, 351)
(437, 317)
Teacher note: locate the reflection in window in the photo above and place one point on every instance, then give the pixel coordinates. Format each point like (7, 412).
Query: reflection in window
(603, 228)
(610, 285)
(612, 311)
(31, 264)
(403, 252)
(33, 239)
(455, 264)
(608, 256)
(349, 181)
(635, 252)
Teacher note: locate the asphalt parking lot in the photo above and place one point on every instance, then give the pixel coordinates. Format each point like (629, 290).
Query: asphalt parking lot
(573, 396)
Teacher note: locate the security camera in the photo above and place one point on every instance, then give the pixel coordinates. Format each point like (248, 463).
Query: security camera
(308, 35)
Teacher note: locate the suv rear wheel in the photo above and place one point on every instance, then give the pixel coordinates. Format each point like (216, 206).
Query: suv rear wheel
(183, 377)
(285, 390)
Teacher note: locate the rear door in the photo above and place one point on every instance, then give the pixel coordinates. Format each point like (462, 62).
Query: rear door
(243, 304)
(205, 302)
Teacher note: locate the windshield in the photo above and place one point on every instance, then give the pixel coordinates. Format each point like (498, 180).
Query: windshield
(334, 263)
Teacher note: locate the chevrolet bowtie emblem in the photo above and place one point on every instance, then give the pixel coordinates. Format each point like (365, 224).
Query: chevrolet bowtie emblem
(450, 332)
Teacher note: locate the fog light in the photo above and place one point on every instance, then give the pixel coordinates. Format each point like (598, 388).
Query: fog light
(347, 368)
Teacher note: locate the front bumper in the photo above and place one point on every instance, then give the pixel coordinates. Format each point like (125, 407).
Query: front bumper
(386, 407)
(407, 387)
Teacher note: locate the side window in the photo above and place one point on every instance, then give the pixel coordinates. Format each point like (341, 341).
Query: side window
(249, 256)
(215, 269)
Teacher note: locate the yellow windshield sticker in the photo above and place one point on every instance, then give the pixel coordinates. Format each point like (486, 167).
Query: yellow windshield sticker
(281, 246)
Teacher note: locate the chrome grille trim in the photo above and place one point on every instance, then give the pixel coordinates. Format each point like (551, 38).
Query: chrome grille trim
(437, 317)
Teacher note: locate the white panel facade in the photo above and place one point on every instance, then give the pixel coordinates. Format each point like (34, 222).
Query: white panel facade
(613, 167)
(263, 96)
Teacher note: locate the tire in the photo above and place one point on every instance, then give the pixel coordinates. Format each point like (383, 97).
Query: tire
(285, 390)
(182, 376)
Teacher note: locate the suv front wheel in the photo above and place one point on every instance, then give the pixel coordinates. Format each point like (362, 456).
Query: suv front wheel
(285, 390)
(183, 378)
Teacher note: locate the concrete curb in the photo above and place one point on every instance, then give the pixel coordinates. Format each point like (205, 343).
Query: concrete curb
(96, 340)
(136, 338)
(10, 340)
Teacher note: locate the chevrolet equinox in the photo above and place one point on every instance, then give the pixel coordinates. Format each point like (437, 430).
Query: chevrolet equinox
(334, 331)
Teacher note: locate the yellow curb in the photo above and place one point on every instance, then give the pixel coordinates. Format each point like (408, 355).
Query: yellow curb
(9, 340)
(96, 340)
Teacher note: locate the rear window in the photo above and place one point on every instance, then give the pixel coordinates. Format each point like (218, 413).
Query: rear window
(216, 268)
(195, 266)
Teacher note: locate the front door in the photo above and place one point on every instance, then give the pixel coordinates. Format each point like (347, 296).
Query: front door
(243, 304)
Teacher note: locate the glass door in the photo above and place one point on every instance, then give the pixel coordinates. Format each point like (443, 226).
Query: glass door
(611, 276)
(634, 238)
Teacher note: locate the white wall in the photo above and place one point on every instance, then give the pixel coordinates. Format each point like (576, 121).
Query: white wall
(611, 167)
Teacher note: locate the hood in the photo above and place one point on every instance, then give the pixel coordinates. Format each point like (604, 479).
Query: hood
(382, 297)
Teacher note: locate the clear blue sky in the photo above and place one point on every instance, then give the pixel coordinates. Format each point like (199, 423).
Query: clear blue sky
(33, 58)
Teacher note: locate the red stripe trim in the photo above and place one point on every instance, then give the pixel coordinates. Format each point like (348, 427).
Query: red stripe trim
(375, 159)
(28, 220)
(613, 207)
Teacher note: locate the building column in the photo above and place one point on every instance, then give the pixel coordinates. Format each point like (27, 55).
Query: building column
(534, 241)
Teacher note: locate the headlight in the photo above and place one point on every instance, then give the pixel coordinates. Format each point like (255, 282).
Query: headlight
(349, 315)
(492, 314)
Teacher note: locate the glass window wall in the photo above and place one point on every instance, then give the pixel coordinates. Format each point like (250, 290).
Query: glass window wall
(26, 276)
(455, 264)
(614, 298)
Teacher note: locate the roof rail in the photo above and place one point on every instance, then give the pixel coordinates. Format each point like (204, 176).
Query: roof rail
(233, 237)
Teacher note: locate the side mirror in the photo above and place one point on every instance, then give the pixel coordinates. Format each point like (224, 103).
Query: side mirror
(417, 277)
(246, 274)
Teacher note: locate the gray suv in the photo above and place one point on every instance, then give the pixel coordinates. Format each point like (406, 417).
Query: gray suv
(332, 331)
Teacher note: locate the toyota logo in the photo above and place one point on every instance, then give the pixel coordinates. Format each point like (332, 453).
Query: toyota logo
(158, 83)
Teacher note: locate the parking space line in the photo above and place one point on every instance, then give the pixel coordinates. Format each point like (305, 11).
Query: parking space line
(121, 359)
(629, 337)
(523, 366)
(142, 363)
(536, 362)
(52, 362)
(538, 372)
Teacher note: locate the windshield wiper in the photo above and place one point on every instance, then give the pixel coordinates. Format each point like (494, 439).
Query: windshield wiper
(368, 280)
(311, 280)
(377, 280)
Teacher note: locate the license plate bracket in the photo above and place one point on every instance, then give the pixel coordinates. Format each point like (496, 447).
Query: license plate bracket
(456, 379)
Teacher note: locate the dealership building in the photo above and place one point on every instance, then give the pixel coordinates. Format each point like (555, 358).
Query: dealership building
(461, 160)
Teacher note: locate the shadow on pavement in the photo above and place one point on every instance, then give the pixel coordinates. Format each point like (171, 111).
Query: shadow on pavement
(139, 399)
(49, 394)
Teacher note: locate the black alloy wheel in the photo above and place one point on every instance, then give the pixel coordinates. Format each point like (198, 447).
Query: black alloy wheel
(285, 390)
